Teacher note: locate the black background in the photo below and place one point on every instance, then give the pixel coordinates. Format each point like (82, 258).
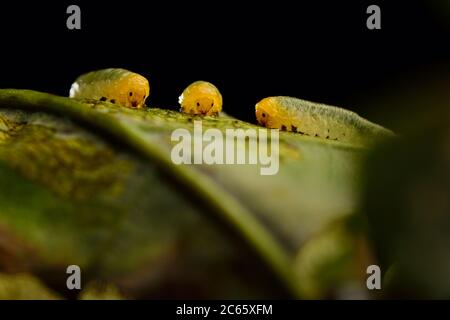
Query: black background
(316, 50)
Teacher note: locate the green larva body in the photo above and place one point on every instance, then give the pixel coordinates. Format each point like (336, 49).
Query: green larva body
(318, 120)
(115, 85)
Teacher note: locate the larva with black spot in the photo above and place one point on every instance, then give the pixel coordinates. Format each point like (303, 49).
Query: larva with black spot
(201, 98)
(317, 120)
(115, 85)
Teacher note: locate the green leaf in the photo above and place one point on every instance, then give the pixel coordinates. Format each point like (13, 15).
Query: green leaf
(93, 184)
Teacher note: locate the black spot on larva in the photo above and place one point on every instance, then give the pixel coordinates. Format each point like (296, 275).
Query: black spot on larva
(198, 104)
(113, 100)
(212, 104)
(317, 135)
(130, 93)
(283, 127)
(300, 132)
(294, 128)
(103, 99)
(263, 115)
(328, 137)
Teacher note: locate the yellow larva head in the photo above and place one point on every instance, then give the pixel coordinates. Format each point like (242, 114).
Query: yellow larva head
(267, 113)
(201, 98)
(114, 85)
(132, 91)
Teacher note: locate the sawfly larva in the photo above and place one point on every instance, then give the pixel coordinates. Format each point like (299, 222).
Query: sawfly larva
(201, 98)
(115, 85)
(317, 120)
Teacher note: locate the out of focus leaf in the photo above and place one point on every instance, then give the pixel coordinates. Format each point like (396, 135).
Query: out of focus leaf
(408, 208)
(24, 287)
